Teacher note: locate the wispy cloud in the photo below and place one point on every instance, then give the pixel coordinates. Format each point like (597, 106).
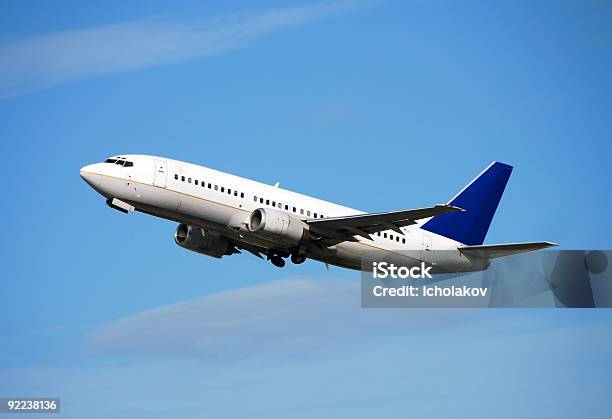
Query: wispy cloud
(296, 317)
(43, 61)
(304, 348)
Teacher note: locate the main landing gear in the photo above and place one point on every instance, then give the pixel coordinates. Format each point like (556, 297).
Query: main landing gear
(277, 261)
(297, 257)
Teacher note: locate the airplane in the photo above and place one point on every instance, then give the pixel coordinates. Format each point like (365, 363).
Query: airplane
(222, 214)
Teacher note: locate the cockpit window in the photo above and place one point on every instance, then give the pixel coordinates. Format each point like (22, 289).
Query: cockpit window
(121, 161)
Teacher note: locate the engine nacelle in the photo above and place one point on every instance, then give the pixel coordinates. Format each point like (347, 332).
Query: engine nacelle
(208, 243)
(278, 225)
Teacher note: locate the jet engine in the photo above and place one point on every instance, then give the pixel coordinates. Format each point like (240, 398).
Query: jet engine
(278, 225)
(198, 240)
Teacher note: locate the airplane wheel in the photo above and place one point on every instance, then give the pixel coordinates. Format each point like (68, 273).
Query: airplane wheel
(278, 261)
(297, 259)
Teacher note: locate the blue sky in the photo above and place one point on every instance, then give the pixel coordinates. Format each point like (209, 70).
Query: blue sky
(377, 105)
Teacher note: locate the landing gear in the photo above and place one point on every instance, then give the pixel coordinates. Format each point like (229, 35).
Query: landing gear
(298, 258)
(277, 261)
(277, 257)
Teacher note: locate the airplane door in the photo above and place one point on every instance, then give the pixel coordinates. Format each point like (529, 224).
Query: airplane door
(160, 173)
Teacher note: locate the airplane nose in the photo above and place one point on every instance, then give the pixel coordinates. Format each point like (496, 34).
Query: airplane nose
(87, 172)
(92, 175)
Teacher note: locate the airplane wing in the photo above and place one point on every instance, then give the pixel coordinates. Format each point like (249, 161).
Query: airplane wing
(254, 250)
(339, 229)
(491, 251)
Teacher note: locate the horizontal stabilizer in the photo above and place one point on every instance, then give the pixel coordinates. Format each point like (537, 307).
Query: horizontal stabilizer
(491, 251)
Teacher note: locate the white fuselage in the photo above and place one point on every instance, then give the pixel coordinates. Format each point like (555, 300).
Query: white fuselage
(218, 201)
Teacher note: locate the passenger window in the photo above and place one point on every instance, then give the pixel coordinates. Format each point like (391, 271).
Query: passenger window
(385, 235)
(222, 188)
(229, 191)
(241, 194)
(216, 188)
(182, 178)
(255, 198)
(175, 176)
(302, 212)
(280, 205)
(235, 193)
(196, 182)
(261, 200)
(397, 239)
(189, 180)
(209, 185)
(315, 215)
(267, 202)
(403, 240)
(294, 209)
(286, 207)
(273, 203)
(308, 213)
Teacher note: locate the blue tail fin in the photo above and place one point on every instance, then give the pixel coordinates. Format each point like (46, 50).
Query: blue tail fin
(479, 199)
